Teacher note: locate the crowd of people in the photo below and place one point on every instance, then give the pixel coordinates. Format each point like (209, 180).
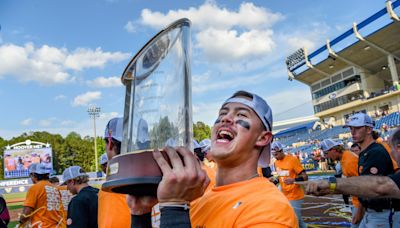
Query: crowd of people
(230, 180)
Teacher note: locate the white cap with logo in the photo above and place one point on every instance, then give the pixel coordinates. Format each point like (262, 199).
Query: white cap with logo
(328, 144)
(72, 172)
(103, 159)
(114, 129)
(359, 120)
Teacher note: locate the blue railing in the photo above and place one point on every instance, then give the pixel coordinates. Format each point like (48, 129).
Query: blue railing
(349, 32)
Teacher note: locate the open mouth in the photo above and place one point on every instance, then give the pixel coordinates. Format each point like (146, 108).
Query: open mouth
(225, 136)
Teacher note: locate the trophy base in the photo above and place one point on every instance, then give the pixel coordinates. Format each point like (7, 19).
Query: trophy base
(140, 186)
(135, 173)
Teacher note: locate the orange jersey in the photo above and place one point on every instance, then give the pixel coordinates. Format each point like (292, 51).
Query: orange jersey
(290, 167)
(349, 163)
(113, 210)
(387, 148)
(251, 203)
(211, 173)
(45, 199)
(10, 163)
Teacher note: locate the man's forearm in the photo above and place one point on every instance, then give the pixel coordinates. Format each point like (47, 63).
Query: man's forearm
(368, 186)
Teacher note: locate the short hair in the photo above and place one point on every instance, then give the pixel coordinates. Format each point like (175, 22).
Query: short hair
(395, 138)
(356, 145)
(81, 179)
(116, 143)
(54, 180)
(242, 93)
(338, 148)
(375, 135)
(40, 177)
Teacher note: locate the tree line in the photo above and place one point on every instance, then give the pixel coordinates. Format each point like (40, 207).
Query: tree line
(74, 149)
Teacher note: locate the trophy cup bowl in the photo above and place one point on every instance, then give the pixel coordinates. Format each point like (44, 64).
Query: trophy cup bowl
(157, 110)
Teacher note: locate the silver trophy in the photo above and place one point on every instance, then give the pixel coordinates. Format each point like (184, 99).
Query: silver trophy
(158, 110)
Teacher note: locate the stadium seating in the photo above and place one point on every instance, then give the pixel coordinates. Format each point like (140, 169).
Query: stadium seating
(288, 137)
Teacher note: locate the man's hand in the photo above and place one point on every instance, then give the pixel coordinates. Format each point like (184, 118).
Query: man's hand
(318, 188)
(288, 180)
(184, 181)
(140, 205)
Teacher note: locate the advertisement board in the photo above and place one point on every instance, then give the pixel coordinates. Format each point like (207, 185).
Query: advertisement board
(18, 158)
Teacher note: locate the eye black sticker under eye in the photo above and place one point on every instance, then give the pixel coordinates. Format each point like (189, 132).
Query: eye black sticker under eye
(244, 124)
(217, 121)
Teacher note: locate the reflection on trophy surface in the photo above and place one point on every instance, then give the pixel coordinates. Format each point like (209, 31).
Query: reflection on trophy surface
(158, 110)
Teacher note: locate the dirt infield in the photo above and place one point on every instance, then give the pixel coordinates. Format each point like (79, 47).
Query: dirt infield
(327, 211)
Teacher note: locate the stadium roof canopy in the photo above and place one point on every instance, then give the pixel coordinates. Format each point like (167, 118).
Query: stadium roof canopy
(305, 126)
(368, 53)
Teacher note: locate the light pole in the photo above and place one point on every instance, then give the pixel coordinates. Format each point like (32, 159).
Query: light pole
(93, 113)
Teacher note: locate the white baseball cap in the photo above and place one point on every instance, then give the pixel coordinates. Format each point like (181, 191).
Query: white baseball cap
(103, 159)
(114, 129)
(72, 172)
(359, 120)
(277, 146)
(38, 168)
(205, 145)
(264, 113)
(328, 144)
(257, 104)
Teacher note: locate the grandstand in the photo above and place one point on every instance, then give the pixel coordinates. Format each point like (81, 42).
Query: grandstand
(352, 73)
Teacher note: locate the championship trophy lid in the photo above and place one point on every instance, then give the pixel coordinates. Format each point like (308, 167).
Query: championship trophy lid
(157, 112)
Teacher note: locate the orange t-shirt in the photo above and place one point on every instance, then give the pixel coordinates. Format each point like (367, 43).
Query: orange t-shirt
(113, 210)
(252, 203)
(45, 200)
(289, 166)
(349, 163)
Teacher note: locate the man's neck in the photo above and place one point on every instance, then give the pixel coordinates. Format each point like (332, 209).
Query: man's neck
(229, 175)
(80, 187)
(368, 141)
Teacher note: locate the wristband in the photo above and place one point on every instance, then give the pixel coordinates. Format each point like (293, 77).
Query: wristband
(332, 184)
(299, 179)
(183, 205)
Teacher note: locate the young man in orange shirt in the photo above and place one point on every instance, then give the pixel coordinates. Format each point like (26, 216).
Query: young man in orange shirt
(113, 210)
(240, 198)
(349, 163)
(42, 205)
(289, 170)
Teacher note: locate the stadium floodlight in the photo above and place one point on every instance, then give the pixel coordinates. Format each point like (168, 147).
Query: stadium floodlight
(94, 112)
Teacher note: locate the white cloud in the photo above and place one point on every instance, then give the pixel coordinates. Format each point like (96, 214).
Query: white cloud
(290, 103)
(67, 122)
(26, 122)
(130, 27)
(47, 122)
(108, 115)
(229, 45)
(206, 112)
(85, 58)
(60, 97)
(85, 98)
(50, 65)
(104, 82)
(209, 15)
(222, 34)
(308, 36)
(29, 64)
